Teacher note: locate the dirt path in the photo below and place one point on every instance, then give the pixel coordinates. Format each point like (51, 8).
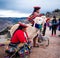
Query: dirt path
(52, 51)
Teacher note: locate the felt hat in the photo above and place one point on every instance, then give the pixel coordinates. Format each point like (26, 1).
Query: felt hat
(37, 7)
(14, 27)
(23, 25)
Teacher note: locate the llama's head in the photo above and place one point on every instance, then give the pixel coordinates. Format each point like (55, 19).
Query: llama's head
(40, 20)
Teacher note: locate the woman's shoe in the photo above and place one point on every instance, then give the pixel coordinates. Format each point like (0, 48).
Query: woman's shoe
(54, 35)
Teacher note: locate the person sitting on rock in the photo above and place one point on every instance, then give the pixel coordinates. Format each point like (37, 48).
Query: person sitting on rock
(19, 36)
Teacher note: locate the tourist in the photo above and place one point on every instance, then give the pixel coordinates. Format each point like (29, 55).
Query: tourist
(59, 25)
(54, 26)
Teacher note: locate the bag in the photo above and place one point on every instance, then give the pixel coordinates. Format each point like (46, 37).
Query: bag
(11, 48)
(39, 26)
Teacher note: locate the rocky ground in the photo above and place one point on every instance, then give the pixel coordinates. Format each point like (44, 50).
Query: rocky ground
(52, 51)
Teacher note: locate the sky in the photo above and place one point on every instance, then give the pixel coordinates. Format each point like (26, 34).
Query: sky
(26, 6)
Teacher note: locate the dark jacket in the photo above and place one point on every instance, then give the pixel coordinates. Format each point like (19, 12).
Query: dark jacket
(54, 22)
(59, 24)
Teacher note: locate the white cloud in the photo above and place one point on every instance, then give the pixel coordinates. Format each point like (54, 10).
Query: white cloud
(26, 6)
(45, 4)
(11, 13)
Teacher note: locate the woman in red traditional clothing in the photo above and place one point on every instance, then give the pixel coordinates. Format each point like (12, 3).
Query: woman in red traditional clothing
(18, 37)
(36, 13)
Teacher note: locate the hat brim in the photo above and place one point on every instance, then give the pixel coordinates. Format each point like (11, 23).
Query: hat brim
(36, 7)
(23, 25)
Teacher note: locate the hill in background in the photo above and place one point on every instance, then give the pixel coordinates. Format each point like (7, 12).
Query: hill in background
(56, 13)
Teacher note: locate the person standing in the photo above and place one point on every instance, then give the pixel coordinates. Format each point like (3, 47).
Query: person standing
(36, 13)
(44, 29)
(54, 26)
(59, 26)
(45, 25)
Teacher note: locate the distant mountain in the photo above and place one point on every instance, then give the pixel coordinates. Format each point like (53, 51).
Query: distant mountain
(13, 19)
(56, 13)
(6, 22)
(56, 10)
